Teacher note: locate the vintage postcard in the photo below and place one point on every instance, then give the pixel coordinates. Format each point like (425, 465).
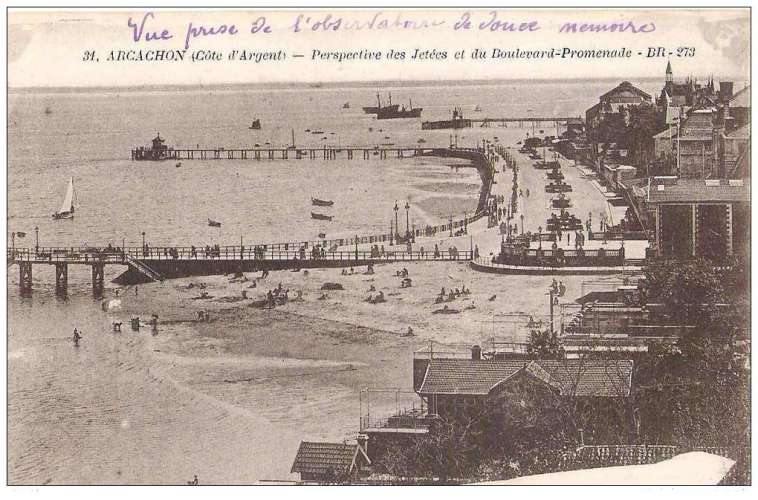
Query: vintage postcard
(378, 246)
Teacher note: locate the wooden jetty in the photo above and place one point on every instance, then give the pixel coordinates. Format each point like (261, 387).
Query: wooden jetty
(159, 263)
(285, 153)
(458, 123)
(520, 121)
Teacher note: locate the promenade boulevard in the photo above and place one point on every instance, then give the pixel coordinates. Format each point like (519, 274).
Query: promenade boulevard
(586, 198)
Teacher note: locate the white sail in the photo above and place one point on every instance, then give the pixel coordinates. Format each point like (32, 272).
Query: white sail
(68, 200)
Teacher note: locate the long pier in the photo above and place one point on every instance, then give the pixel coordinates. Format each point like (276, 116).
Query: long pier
(521, 120)
(286, 153)
(460, 122)
(156, 264)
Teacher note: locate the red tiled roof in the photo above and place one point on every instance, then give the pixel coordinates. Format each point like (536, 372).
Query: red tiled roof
(319, 458)
(696, 190)
(572, 377)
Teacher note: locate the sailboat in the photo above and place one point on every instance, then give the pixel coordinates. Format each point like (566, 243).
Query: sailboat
(67, 207)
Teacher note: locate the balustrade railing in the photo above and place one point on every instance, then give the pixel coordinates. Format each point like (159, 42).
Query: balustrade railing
(85, 255)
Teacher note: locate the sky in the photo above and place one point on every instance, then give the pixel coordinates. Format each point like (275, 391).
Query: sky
(49, 48)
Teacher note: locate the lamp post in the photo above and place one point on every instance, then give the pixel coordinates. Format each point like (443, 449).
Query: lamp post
(36, 238)
(539, 236)
(551, 292)
(143, 244)
(13, 241)
(407, 221)
(451, 225)
(522, 223)
(391, 232)
(397, 233)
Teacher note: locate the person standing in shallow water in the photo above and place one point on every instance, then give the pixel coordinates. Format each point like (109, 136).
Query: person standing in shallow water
(77, 336)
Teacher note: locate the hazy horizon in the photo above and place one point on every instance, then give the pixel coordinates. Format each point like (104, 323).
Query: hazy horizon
(353, 84)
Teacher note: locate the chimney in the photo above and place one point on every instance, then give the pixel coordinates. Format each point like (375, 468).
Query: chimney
(476, 353)
(726, 89)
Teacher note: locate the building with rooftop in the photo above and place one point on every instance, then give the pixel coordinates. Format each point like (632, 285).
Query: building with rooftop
(699, 217)
(329, 462)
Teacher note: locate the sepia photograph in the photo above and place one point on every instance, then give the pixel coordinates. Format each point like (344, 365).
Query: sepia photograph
(378, 246)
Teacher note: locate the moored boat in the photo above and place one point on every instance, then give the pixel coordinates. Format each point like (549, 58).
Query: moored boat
(322, 203)
(372, 110)
(256, 125)
(213, 223)
(316, 216)
(391, 114)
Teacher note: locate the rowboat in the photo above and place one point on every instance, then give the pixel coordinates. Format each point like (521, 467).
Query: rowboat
(321, 216)
(213, 223)
(322, 203)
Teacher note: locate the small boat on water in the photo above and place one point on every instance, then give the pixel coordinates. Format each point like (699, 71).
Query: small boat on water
(346, 105)
(213, 223)
(317, 132)
(316, 216)
(67, 207)
(178, 164)
(478, 109)
(256, 125)
(322, 203)
(48, 111)
(421, 141)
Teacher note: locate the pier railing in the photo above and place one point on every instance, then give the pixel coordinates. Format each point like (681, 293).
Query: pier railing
(86, 255)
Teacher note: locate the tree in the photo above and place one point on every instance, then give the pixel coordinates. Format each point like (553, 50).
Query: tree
(544, 344)
(696, 392)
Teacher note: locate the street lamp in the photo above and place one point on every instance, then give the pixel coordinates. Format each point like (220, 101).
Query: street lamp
(397, 233)
(522, 223)
(13, 240)
(451, 225)
(407, 219)
(540, 236)
(36, 238)
(143, 244)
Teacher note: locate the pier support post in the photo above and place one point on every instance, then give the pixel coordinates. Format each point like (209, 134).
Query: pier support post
(61, 278)
(97, 279)
(25, 278)
(349, 154)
